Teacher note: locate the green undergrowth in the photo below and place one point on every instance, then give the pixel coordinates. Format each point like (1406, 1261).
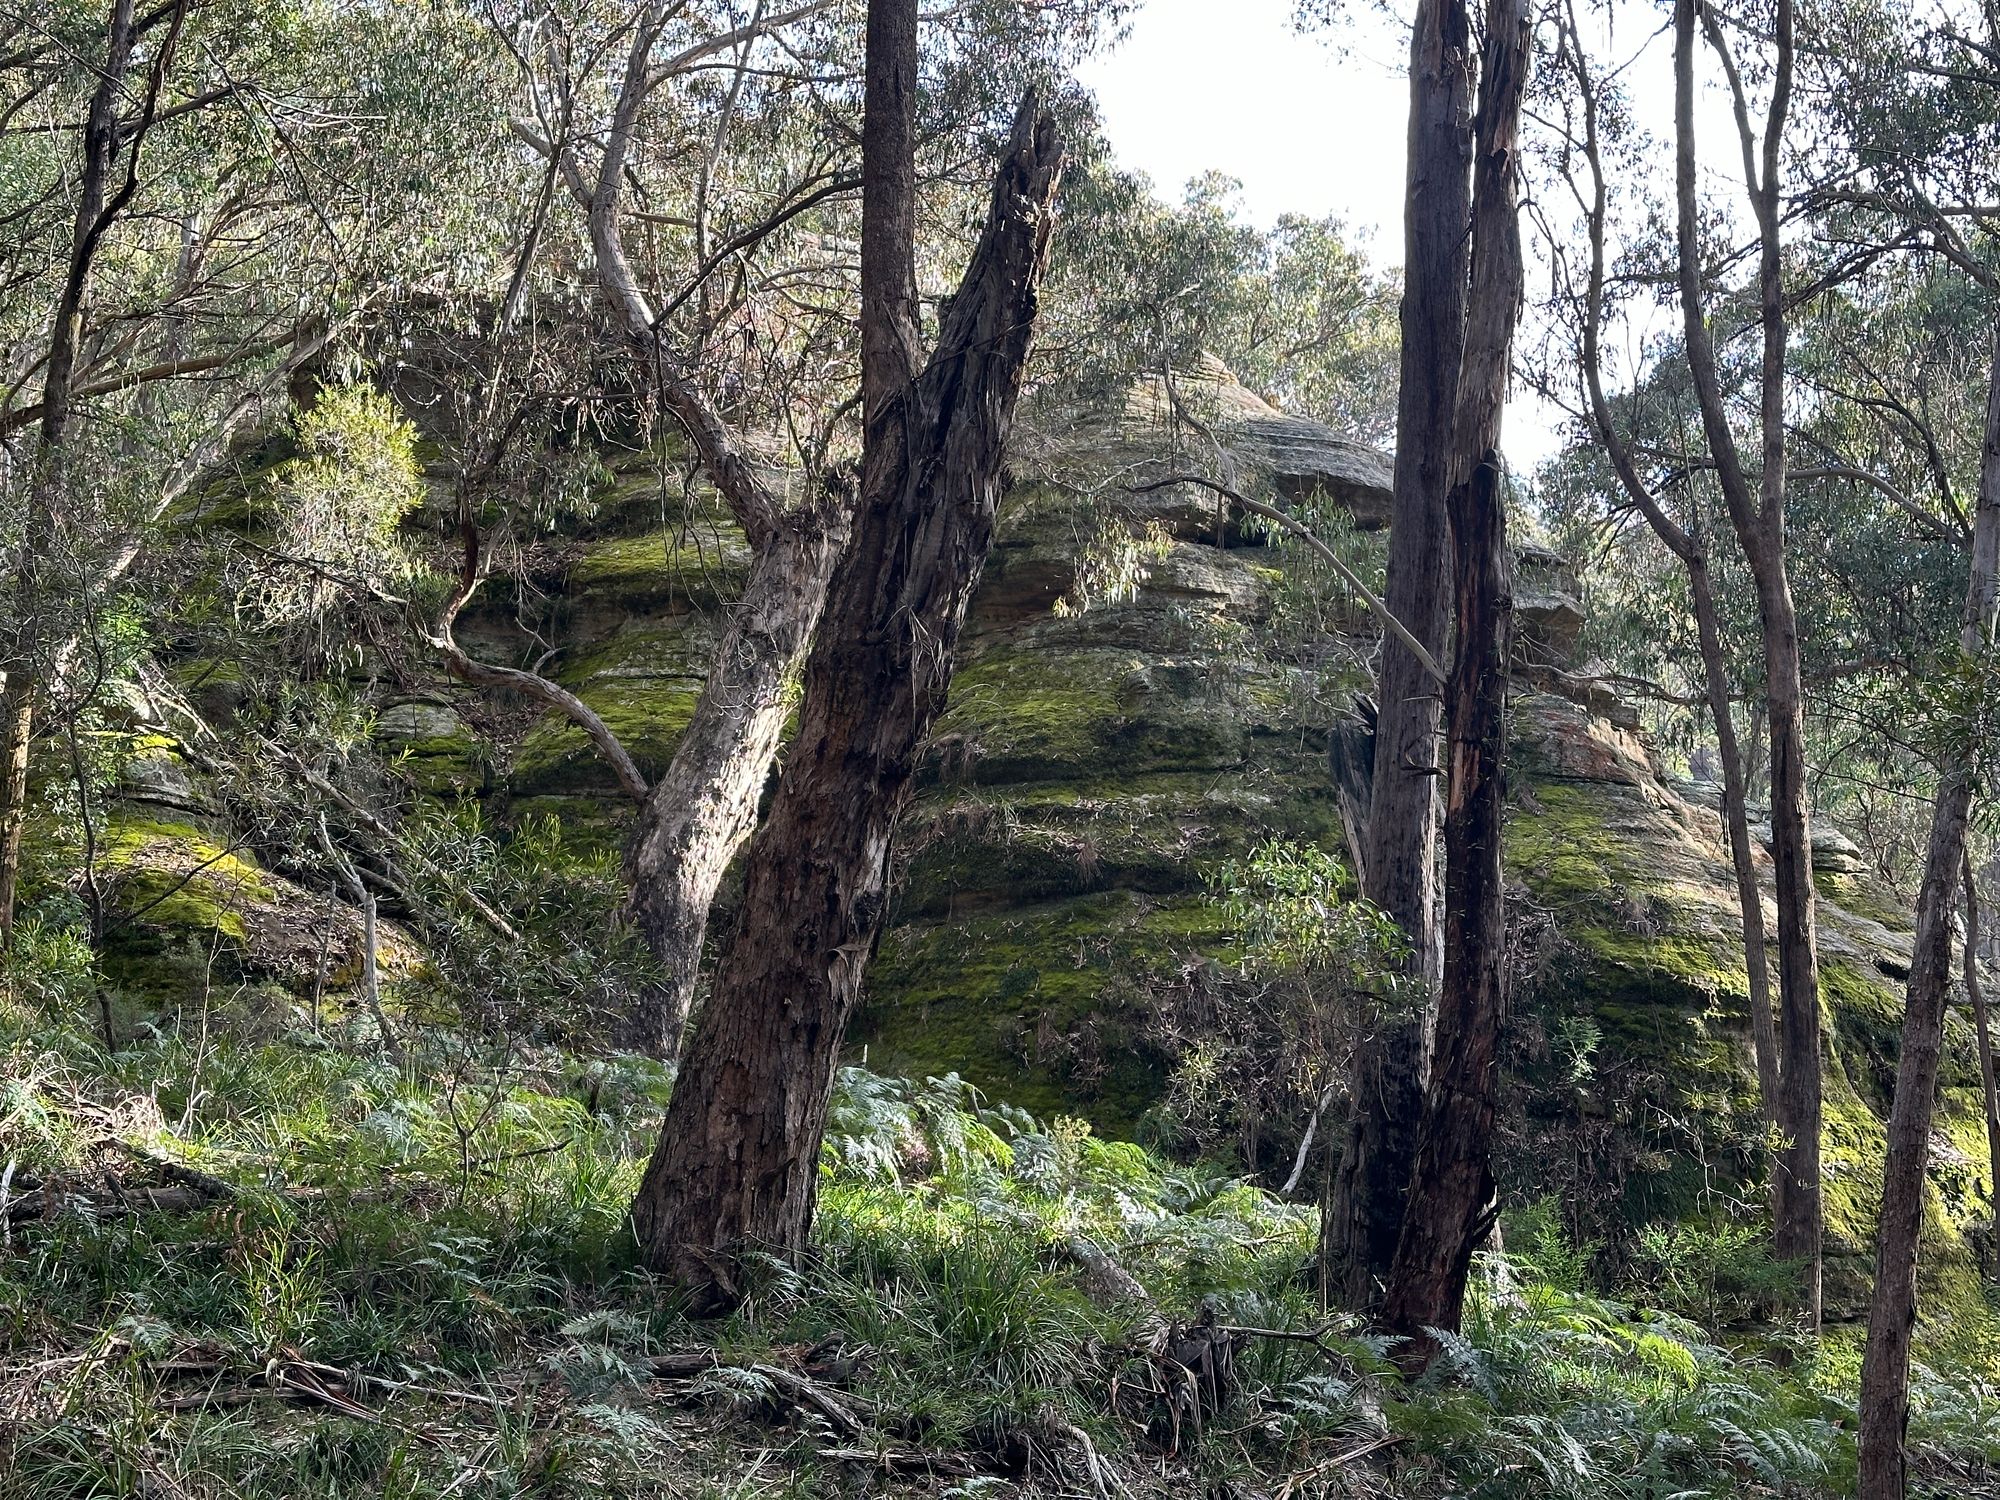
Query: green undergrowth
(432, 1254)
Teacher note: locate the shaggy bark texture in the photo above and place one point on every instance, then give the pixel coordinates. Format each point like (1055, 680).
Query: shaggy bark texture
(738, 1160)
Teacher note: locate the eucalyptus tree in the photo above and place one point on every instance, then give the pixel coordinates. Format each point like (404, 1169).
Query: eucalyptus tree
(1755, 500)
(1973, 699)
(1592, 126)
(715, 167)
(173, 256)
(1450, 1196)
(1917, 97)
(1392, 1064)
(737, 1165)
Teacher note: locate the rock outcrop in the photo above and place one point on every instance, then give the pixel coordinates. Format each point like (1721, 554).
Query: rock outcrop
(1096, 767)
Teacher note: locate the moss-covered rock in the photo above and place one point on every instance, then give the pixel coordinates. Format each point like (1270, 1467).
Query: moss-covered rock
(675, 569)
(647, 714)
(1155, 834)
(1042, 1005)
(187, 909)
(434, 747)
(1640, 889)
(1019, 715)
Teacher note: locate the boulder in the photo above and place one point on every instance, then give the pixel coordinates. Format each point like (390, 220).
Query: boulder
(1296, 455)
(1304, 458)
(1548, 607)
(419, 720)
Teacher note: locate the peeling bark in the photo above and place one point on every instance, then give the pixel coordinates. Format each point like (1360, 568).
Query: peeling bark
(696, 816)
(737, 1163)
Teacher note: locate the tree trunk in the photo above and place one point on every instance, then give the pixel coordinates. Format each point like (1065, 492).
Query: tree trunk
(17, 727)
(1715, 664)
(1391, 1064)
(1796, 1199)
(738, 1159)
(1451, 1184)
(1975, 991)
(1742, 854)
(1759, 523)
(1892, 1311)
(703, 807)
(696, 817)
(22, 663)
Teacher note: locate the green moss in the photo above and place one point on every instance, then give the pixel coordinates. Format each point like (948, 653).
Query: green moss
(1864, 898)
(136, 848)
(1563, 845)
(1020, 715)
(1851, 1146)
(679, 568)
(1046, 840)
(172, 887)
(445, 765)
(682, 649)
(648, 715)
(1038, 1005)
(435, 748)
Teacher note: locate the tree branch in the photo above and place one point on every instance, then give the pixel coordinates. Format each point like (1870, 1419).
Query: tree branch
(1325, 553)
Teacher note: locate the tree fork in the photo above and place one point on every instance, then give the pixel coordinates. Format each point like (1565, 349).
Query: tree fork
(1451, 1182)
(1758, 519)
(698, 813)
(96, 207)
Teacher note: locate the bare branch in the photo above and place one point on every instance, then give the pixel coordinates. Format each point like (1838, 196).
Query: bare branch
(1326, 554)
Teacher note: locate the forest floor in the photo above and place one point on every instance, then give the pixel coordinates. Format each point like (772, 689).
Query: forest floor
(246, 1258)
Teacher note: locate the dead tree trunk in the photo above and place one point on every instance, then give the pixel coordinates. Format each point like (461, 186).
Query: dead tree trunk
(738, 1159)
(1892, 1310)
(1451, 1185)
(1758, 519)
(1365, 1211)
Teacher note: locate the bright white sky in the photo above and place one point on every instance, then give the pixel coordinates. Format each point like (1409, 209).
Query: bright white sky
(1310, 124)
(1229, 86)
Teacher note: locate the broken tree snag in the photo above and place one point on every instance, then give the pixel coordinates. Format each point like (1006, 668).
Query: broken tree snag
(1448, 1209)
(737, 1161)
